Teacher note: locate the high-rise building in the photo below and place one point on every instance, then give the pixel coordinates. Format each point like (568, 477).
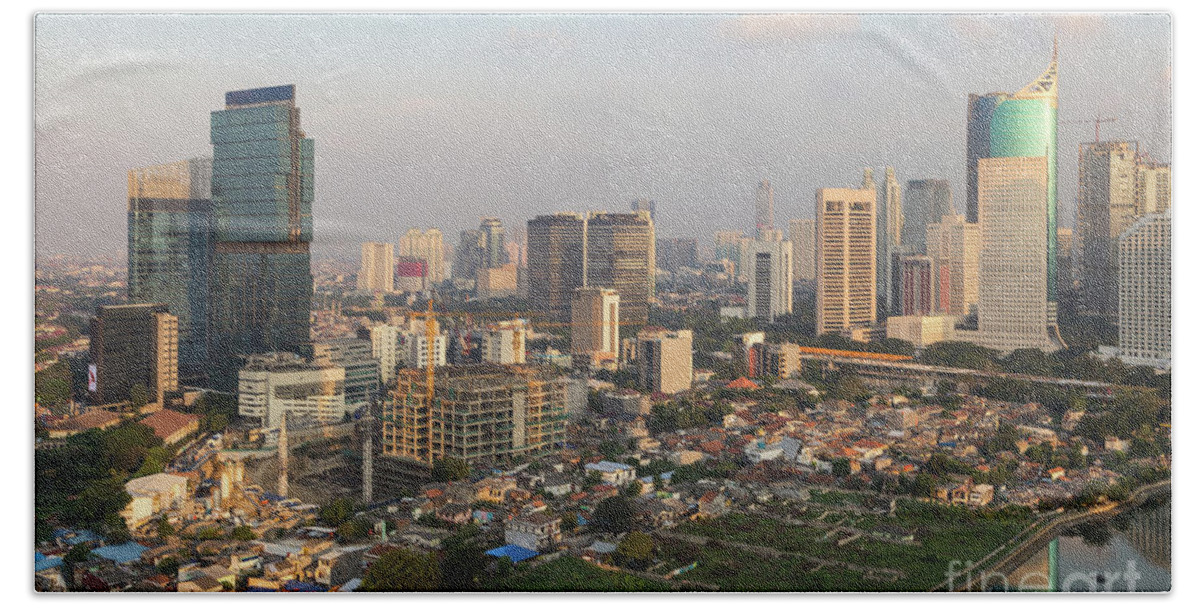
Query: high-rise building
(1013, 311)
(764, 206)
(664, 359)
(262, 194)
(1066, 256)
(671, 254)
(845, 259)
(1106, 206)
(1152, 188)
(271, 385)
(803, 235)
(414, 345)
(495, 252)
(427, 246)
(953, 246)
(503, 342)
(135, 345)
(1019, 125)
(386, 348)
(916, 285)
(595, 324)
(375, 272)
(557, 252)
(770, 293)
(470, 256)
(620, 255)
(926, 201)
(485, 414)
(1144, 280)
(728, 247)
(889, 227)
(170, 250)
(645, 204)
(355, 356)
(496, 282)
(412, 274)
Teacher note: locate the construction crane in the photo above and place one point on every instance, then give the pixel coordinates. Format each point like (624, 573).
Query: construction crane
(1095, 121)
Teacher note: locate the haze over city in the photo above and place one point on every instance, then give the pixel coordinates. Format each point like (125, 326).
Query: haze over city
(436, 120)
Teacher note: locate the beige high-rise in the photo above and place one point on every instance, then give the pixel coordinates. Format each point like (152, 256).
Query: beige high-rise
(1013, 310)
(845, 258)
(803, 235)
(1144, 280)
(953, 245)
(664, 359)
(595, 324)
(376, 273)
(428, 246)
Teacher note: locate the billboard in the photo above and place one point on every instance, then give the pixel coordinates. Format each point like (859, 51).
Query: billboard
(91, 377)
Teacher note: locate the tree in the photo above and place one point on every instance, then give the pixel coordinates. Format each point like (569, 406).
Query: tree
(450, 469)
(633, 489)
(353, 530)
(569, 523)
(614, 515)
(923, 485)
(165, 529)
(243, 533)
(592, 478)
(138, 397)
(336, 512)
(960, 354)
(463, 561)
(636, 547)
(841, 467)
(403, 570)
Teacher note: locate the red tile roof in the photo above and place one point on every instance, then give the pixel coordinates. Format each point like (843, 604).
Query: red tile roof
(166, 423)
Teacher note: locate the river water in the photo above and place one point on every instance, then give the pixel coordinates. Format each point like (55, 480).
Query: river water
(1129, 552)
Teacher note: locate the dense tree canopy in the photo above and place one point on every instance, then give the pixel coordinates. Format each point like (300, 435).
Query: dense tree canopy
(403, 570)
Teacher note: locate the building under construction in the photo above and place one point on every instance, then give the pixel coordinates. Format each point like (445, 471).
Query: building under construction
(479, 413)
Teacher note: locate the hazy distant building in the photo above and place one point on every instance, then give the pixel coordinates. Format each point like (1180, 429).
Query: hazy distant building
(671, 254)
(262, 195)
(1144, 289)
(132, 345)
(557, 246)
(170, 249)
(375, 272)
(916, 285)
(427, 246)
(764, 206)
(362, 369)
(770, 281)
(845, 259)
(926, 201)
(728, 247)
(412, 274)
(470, 256)
(803, 235)
(1152, 188)
(1013, 308)
(953, 247)
(595, 325)
(664, 360)
(620, 255)
(1066, 263)
(496, 282)
(503, 342)
(271, 384)
(647, 205)
(1106, 206)
(495, 250)
(889, 227)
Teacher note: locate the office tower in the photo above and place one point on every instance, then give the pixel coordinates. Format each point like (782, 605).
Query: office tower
(1066, 265)
(926, 201)
(414, 345)
(764, 207)
(496, 282)
(375, 272)
(664, 360)
(1106, 206)
(781, 361)
(131, 345)
(889, 227)
(470, 256)
(770, 294)
(595, 324)
(356, 357)
(386, 348)
(1144, 279)
(953, 246)
(845, 259)
(262, 193)
(647, 205)
(671, 254)
(728, 247)
(170, 249)
(557, 252)
(1152, 187)
(1021, 124)
(427, 246)
(495, 253)
(803, 235)
(503, 342)
(485, 414)
(272, 385)
(1013, 311)
(916, 285)
(620, 255)
(412, 274)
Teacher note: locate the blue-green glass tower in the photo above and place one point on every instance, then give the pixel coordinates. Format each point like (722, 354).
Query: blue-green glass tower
(262, 194)
(1022, 124)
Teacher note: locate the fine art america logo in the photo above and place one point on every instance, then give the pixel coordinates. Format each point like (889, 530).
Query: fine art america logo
(959, 578)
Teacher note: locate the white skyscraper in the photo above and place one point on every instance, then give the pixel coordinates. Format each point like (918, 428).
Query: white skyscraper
(427, 246)
(504, 342)
(1144, 289)
(770, 279)
(595, 324)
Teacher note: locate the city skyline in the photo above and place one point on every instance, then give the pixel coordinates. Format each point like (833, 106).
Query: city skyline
(678, 142)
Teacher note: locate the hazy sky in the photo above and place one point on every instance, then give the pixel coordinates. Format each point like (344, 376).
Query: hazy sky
(436, 120)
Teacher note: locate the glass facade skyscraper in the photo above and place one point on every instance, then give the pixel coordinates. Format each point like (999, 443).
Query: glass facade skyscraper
(262, 194)
(1021, 124)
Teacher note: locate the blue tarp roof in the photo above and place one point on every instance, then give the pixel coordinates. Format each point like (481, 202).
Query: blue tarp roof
(516, 553)
(41, 562)
(75, 537)
(122, 554)
(299, 586)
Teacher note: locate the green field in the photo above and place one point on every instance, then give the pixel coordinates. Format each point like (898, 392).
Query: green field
(573, 574)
